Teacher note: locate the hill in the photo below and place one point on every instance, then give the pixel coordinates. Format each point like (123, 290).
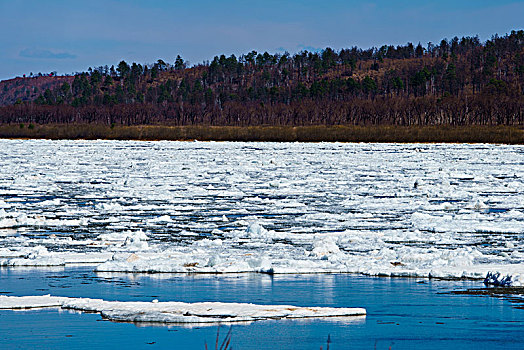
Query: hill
(28, 89)
(457, 82)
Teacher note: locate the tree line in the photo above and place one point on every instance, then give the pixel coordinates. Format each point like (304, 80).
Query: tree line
(461, 81)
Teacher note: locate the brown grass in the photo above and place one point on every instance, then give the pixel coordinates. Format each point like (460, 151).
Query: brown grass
(448, 134)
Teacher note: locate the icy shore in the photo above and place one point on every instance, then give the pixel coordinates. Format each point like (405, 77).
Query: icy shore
(326, 255)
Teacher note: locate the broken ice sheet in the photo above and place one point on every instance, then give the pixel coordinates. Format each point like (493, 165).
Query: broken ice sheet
(177, 312)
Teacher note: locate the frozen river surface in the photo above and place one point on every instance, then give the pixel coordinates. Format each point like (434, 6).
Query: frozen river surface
(76, 216)
(427, 210)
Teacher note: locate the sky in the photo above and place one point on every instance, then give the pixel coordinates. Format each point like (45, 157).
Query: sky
(69, 36)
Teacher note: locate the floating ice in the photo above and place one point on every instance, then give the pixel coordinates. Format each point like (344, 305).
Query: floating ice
(325, 246)
(260, 207)
(255, 230)
(177, 312)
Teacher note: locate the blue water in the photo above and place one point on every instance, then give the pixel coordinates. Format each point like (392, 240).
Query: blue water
(402, 313)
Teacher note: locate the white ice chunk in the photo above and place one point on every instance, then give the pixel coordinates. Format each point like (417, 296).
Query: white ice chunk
(323, 247)
(177, 312)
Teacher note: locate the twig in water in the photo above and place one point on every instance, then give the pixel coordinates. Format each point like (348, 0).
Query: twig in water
(227, 339)
(225, 343)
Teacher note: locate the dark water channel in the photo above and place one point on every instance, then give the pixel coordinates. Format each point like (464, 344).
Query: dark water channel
(402, 313)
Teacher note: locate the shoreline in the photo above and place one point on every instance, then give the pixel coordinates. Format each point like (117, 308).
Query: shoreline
(318, 133)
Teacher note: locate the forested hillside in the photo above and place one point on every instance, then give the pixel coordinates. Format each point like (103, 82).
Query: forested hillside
(461, 81)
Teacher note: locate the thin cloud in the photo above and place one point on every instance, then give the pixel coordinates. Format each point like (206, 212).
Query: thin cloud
(309, 48)
(46, 54)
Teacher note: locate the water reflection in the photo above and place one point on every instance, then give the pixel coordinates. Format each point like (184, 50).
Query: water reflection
(399, 310)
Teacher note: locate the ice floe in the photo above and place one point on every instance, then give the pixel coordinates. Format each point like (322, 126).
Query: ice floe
(177, 312)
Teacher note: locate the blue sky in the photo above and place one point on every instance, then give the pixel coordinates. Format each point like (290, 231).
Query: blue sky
(69, 36)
